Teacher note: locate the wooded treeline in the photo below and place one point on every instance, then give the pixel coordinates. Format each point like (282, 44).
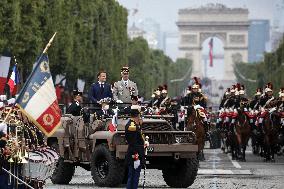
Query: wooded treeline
(271, 69)
(92, 36)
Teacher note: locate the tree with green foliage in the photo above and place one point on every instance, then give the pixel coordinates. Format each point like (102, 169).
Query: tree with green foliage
(271, 69)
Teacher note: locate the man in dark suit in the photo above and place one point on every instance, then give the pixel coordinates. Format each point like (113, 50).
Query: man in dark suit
(100, 89)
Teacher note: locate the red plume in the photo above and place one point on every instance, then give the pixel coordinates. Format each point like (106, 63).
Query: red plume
(196, 80)
(269, 85)
(238, 86)
(166, 87)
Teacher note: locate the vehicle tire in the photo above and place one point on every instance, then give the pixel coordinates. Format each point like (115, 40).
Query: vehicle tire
(63, 172)
(106, 170)
(182, 174)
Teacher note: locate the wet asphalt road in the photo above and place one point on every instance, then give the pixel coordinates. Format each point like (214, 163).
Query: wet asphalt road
(217, 171)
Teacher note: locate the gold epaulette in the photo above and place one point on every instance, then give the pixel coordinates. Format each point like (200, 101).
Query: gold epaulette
(132, 127)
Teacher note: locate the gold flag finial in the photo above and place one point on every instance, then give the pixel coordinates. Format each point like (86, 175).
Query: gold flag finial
(49, 43)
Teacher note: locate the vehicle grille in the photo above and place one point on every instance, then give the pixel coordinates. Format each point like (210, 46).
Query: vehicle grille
(170, 137)
(156, 127)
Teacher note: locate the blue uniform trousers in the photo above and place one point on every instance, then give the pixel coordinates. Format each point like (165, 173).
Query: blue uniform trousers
(133, 177)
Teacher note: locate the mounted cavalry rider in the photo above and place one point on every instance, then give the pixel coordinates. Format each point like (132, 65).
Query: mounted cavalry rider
(243, 100)
(225, 99)
(254, 104)
(222, 114)
(196, 97)
(184, 101)
(155, 97)
(237, 101)
(198, 101)
(165, 99)
(264, 102)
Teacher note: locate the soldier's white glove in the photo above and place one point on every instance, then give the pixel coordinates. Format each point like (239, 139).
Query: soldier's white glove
(197, 107)
(119, 101)
(272, 110)
(136, 164)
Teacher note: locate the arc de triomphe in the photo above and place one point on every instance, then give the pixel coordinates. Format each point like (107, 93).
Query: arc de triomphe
(230, 25)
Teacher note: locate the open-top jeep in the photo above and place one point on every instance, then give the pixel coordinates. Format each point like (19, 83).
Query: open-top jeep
(87, 142)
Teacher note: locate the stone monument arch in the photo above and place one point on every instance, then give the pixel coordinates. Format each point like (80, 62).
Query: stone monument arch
(230, 25)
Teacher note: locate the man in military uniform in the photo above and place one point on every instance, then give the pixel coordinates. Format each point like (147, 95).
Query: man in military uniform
(75, 107)
(254, 104)
(264, 102)
(184, 100)
(267, 97)
(123, 89)
(135, 156)
(196, 97)
(241, 100)
(231, 101)
(165, 99)
(225, 98)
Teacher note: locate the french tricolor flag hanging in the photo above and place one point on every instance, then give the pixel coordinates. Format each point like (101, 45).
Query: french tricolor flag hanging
(4, 70)
(112, 127)
(211, 52)
(37, 98)
(14, 81)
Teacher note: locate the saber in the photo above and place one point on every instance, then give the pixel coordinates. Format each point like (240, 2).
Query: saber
(17, 178)
(144, 177)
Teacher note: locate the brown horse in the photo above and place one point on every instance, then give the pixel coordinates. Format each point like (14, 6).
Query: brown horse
(243, 131)
(195, 123)
(271, 130)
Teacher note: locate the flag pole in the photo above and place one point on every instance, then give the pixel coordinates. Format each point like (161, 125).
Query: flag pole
(49, 43)
(44, 51)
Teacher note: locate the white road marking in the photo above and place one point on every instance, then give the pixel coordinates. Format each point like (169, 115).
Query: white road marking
(223, 172)
(235, 163)
(214, 169)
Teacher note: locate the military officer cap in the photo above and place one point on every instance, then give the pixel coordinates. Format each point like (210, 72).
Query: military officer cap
(258, 92)
(133, 97)
(135, 110)
(268, 87)
(77, 93)
(125, 69)
(196, 84)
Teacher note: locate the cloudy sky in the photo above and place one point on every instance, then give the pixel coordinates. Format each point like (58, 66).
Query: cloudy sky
(165, 12)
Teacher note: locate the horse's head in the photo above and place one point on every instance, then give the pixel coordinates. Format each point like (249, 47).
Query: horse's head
(193, 117)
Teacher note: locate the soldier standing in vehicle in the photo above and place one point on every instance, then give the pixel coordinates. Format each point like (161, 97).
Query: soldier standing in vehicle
(135, 156)
(123, 89)
(75, 107)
